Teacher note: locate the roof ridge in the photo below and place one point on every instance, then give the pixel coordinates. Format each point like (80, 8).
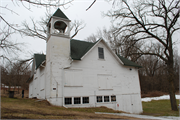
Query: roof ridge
(83, 41)
(39, 54)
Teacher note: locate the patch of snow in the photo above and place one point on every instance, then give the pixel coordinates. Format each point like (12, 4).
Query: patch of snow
(171, 117)
(164, 97)
(144, 117)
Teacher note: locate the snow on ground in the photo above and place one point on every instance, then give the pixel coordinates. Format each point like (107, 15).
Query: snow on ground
(164, 97)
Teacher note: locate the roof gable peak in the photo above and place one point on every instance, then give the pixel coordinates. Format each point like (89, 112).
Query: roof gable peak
(60, 14)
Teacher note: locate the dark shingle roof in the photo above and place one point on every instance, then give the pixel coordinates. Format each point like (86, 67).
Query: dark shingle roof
(60, 14)
(128, 62)
(78, 50)
(39, 58)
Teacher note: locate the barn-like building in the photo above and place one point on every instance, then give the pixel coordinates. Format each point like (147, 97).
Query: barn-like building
(76, 73)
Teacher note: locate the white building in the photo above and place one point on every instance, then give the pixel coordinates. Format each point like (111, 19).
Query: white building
(76, 73)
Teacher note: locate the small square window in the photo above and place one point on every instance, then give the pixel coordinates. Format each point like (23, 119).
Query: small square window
(85, 100)
(77, 100)
(113, 98)
(99, 98)
(101, 52)
(68, 101)
(106, 98)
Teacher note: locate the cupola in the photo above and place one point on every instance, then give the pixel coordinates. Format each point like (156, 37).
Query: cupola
(58, 25)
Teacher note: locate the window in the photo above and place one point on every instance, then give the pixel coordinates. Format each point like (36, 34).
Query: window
(85, 100)
(106, 98)
(101, 53)
(77, 100)
(68, 101)
(113, 98)
(99, 98)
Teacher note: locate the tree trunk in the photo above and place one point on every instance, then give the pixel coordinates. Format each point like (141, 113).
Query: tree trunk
(172, 87)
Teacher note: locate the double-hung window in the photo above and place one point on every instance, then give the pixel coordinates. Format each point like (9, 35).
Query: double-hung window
(101, 52)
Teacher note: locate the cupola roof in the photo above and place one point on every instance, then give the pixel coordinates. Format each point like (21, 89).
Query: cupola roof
(60, 14)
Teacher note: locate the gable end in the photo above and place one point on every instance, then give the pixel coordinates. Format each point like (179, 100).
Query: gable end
(79, 49)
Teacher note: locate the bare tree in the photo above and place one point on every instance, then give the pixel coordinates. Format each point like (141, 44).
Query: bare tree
(118, 45)
(29, 3)
(39, 30)
(91, 38)
(152, 22)
(94, 37)
(15, 74)
(7, 46)
(77, 25)
(124, 47)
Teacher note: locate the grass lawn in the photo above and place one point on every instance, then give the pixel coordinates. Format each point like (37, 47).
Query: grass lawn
(23, 108)
(159, 108)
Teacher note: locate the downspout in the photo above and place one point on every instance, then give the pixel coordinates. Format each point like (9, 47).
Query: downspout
(95, 98)
(63, 81)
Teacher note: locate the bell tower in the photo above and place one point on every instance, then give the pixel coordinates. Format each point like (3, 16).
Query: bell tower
(57, 53)
(58, 36)
(58, 25)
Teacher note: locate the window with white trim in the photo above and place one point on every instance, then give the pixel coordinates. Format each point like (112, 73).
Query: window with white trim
(113, 98)
(77, 100)
(106, 98)
(99, 98)
(68, 101)
(85, 100)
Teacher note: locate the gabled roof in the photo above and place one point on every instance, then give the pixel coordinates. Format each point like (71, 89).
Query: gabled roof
(79, 49)
(39, 58)
(128, 62)
(60, 14)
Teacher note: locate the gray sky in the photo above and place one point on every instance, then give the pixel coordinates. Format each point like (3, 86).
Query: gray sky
(75, 11)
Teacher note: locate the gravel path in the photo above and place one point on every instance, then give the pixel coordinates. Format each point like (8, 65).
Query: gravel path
(146, 117)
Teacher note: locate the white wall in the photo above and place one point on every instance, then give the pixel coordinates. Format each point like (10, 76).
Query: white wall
(37, 85)
(89, 77)
(57, 58)
(93, 76)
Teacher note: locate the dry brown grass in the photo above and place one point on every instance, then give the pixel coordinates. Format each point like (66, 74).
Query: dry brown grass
(18, 108)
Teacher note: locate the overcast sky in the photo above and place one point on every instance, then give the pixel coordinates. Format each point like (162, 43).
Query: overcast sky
(93, 19)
